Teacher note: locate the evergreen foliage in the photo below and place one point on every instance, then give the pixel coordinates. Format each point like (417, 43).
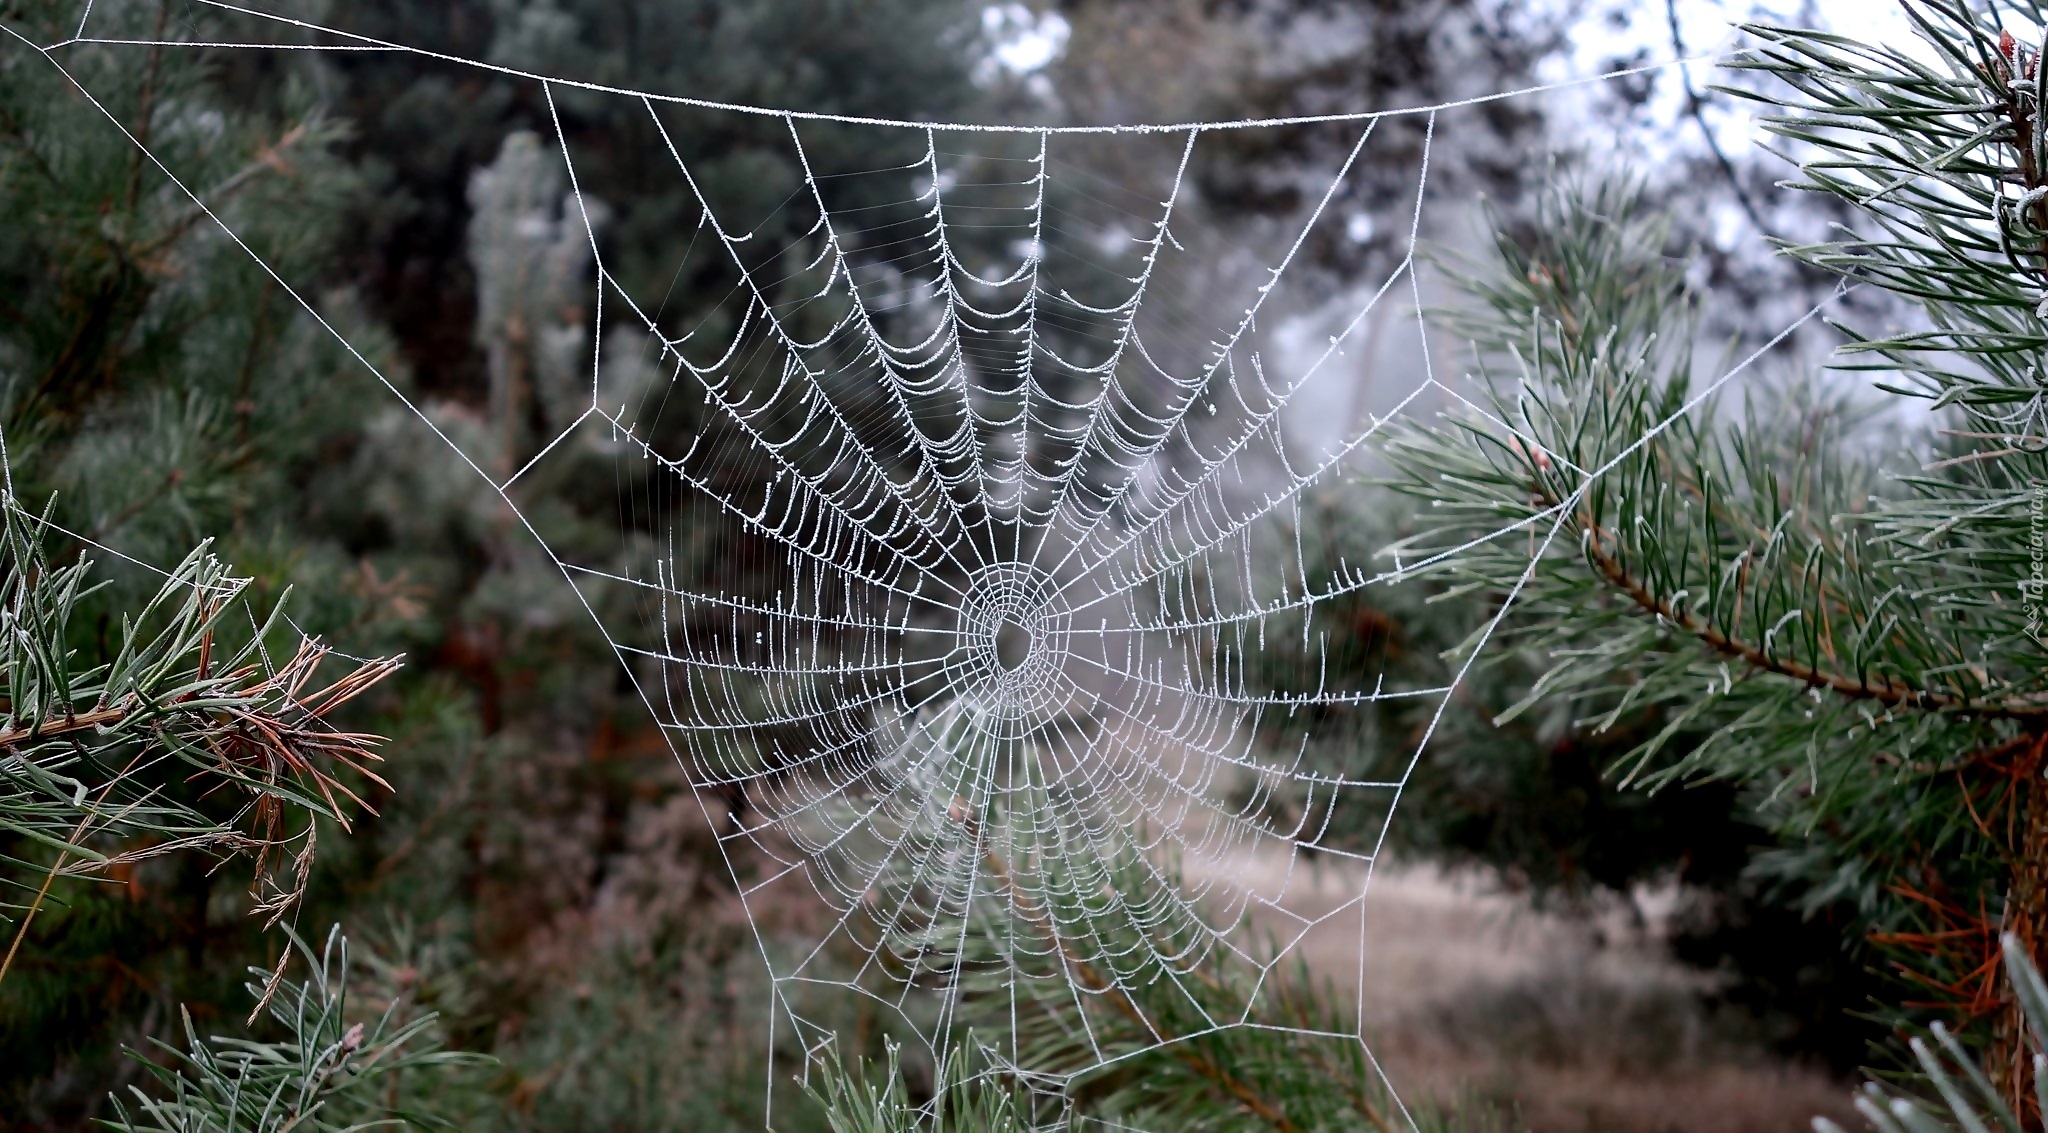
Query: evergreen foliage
(1790, 605)
(158, 390)
(1161, 1029)
(1866, 667)
(855, 1102)
(154, 375)
(102, 760)
(339, 1067)
(165, 390)
(1964, 1099)
(1521, 795)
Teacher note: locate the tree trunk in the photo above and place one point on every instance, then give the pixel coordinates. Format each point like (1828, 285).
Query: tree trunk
(2026, 916)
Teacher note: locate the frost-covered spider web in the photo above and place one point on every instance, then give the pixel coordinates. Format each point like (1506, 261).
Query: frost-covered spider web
(959, 537)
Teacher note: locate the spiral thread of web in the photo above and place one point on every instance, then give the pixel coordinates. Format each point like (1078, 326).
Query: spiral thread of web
(958, 527)
(1014, 566)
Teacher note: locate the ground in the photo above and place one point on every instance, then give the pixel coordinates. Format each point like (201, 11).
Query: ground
(1580, 1025)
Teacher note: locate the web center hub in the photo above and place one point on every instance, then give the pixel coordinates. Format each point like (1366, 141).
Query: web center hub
(1012, 640)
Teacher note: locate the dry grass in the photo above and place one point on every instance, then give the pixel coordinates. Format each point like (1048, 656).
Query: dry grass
(1575, 1026)
(1469, 994)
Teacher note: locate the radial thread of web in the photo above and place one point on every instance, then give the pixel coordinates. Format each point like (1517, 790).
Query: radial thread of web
(952, 531)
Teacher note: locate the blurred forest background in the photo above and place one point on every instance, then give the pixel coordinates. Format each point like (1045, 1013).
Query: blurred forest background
(537, 871)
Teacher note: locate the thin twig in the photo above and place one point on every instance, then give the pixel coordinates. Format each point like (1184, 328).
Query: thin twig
(1863, 686)
(1696, 105)
(29, 916)
(83, 721)
(63, 857)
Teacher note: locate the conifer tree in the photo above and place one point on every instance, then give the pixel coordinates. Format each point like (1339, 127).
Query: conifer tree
(1796, 605)
(158, 393)
(1858, 654)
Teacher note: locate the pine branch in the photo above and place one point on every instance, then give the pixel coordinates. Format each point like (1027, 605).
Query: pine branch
(961, 1103)
(1599, 543)
(1964, 1098)
(337, 1068)
(1877, 602)
(125, 759)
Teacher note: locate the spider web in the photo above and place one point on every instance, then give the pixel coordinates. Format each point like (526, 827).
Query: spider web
(952, 537)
